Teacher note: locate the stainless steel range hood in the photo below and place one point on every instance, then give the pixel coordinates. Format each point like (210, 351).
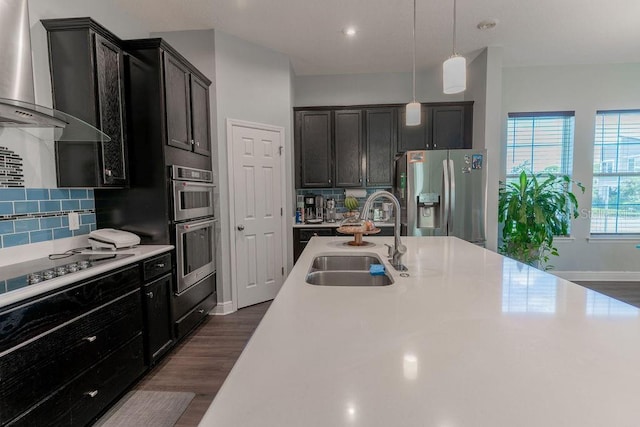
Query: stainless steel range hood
(17, 100)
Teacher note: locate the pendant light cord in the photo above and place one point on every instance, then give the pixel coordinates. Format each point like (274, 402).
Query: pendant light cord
(414, 50)
(454, 27)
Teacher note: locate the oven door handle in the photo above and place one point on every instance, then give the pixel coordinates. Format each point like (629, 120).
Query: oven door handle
(193, 184)
(196, 225)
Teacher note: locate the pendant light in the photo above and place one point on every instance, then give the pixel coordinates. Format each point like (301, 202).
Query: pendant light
(454, 69)
(412, 112)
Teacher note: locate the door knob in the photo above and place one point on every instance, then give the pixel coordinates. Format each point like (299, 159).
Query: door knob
(241, 227)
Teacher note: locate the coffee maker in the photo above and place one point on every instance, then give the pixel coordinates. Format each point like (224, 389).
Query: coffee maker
(319, 208)
(309, 207)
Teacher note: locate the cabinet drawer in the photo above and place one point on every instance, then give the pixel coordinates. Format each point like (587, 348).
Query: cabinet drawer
(195, 316)
(185, 301)
(80, 401)
(31, 372)
(27, 320)
(157, 266)
(307, 234)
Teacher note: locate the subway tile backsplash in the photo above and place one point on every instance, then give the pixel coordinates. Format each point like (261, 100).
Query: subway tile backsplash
(31, 215)
(337, 194)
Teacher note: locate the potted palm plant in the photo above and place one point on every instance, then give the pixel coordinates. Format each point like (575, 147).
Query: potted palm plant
(533, 210)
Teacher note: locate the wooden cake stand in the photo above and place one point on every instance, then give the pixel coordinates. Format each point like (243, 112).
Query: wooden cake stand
(357, 232)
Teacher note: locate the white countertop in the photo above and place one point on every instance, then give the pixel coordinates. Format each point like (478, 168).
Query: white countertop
(469, 339)
(138, 253)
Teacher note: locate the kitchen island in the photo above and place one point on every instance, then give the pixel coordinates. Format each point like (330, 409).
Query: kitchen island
(470, 338)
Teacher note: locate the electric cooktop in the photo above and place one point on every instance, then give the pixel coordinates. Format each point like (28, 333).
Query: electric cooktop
(29, 273)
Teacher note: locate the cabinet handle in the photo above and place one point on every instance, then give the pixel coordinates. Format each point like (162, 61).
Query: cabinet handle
(90, 339)
(108, 172)
(201, 311)
(150, 294)
(193, 142)
(198, 143)
(91, 394)
(359, 179)
(160, 265)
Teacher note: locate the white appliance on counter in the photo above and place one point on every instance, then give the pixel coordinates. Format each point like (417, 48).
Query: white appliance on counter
(109, 238)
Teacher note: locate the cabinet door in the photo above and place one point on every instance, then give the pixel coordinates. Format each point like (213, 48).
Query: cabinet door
(381, 145)
(314, 146)
(109, 73)
(448, 127)
(348, 148)
(177, 103)
(200, 116)
(412, 137)
(158, 322)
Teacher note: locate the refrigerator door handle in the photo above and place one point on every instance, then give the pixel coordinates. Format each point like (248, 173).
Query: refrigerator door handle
(452, 193)
(445, 205)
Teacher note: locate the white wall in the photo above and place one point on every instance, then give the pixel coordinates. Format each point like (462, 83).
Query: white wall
(373, 88)
(583, 89)
(484, 87)
(253, 84)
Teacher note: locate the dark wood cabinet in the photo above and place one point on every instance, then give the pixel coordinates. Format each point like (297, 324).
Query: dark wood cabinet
(156, 297)
(314, 149)
(170, 102)
(443, 126)
(412, 137)
(66, 356)
(381, 145)
(187, 108)
(87, 76)
(348, 148)
(450, 126)
(301, 237)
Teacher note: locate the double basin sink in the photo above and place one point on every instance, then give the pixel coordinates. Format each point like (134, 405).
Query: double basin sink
(346, 270)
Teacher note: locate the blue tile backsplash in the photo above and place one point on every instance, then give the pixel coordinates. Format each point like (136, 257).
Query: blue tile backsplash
(31, 215)
(337, 194)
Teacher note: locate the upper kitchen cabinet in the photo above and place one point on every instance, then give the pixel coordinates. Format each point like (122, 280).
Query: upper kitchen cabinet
(348, 148)
(381, 145)
(168, 94)
(87, 76)
(314, 148)
(442, 126)
(412, 137)
(451, 126)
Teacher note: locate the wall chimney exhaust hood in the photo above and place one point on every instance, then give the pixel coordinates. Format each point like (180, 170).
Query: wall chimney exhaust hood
(17, 99)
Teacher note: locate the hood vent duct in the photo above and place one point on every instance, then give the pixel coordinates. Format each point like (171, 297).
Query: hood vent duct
(17, 100)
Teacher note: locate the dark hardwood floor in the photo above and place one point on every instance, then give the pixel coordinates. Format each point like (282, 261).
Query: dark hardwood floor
(203, 360)
(628, 292)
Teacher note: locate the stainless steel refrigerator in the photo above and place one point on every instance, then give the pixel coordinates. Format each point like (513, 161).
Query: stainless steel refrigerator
(443, 193)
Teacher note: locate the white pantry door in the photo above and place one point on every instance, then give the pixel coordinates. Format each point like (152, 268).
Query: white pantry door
(257, 198)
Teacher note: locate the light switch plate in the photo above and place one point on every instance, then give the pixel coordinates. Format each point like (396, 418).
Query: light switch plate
(74, 221)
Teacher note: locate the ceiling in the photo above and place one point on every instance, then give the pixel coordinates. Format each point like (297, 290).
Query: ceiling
(534, 32)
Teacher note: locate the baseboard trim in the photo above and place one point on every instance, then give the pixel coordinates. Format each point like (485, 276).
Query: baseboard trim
(599, 276)
(222, 309)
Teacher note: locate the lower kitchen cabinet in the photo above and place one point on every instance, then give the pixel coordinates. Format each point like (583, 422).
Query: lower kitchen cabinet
(191, 306)
(66, 356)
(156, 297)
(301, 237)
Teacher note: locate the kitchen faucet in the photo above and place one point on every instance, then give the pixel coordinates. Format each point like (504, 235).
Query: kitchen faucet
(398, 249)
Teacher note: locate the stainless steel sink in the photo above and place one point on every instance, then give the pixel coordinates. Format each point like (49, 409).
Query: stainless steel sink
(346, 270)
(333, 262)
(347, 278)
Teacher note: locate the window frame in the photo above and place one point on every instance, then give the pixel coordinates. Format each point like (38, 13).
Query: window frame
(612, 174)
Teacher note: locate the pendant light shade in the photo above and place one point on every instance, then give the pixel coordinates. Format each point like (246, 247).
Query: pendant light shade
(454, 74)
(412, 113)
(454, 69)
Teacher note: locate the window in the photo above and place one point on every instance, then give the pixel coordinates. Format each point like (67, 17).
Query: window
(615, 205)
(540, 142)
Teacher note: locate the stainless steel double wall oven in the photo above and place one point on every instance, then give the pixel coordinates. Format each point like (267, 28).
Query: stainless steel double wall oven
(193, 223)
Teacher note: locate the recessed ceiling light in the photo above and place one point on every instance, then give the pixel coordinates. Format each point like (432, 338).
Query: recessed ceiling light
(487, 24)
(349, 31)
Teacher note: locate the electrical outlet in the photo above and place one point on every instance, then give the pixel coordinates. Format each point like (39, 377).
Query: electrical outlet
(74, 221)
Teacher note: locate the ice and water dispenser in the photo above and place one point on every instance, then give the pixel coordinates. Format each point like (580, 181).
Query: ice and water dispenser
(428, 210)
